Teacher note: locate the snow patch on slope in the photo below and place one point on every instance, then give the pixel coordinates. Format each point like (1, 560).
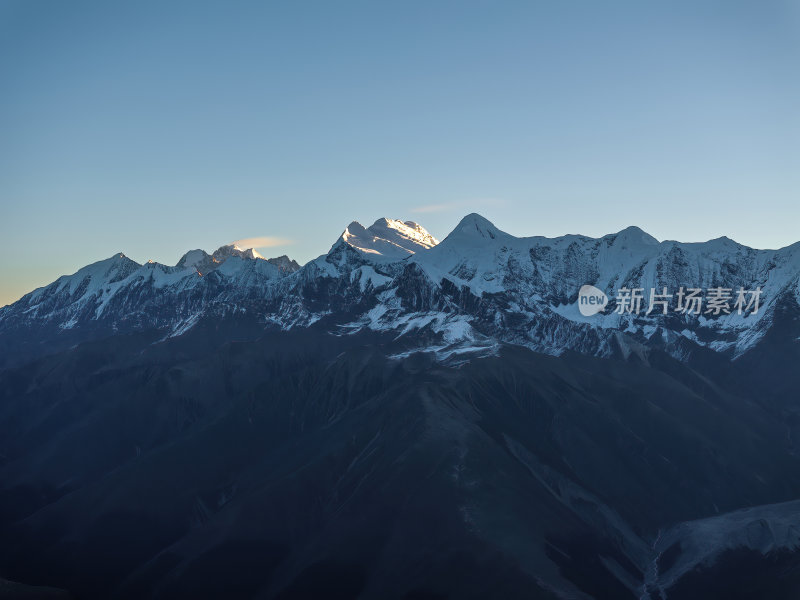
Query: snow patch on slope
(761, 528)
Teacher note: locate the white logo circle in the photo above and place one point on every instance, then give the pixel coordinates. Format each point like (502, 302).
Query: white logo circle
(591, 300)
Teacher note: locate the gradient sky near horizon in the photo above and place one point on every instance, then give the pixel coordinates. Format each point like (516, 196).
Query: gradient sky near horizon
(152, 128)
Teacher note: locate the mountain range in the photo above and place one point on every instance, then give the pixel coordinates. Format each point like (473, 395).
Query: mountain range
(404, 417)
(480, 286)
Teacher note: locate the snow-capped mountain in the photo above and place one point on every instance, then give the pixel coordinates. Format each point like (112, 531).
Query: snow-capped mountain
(398, 398)
(480, 286)
(386, 240)
(528, 287)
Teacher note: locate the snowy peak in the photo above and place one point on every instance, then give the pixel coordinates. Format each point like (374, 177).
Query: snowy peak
(112, 269)
(194, 259)
(634, 237)
(225, 252)
(386, 240)
(284, 264)
(249, 253)
(407, 234)
(474, 254)
(475, 230)
(86, 281)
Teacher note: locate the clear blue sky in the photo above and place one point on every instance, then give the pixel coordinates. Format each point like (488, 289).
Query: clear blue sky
(152, 128)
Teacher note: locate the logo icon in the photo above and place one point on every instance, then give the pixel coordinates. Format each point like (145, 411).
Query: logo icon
(591, 300)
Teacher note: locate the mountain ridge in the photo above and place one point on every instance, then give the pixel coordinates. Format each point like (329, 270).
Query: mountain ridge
(478, 286)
